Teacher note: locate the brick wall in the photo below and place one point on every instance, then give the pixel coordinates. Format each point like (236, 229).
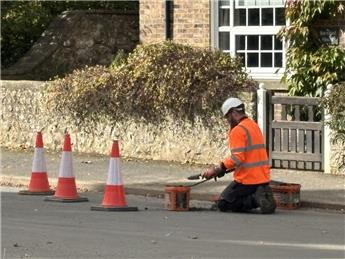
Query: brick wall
(190, 22)
(151, 21)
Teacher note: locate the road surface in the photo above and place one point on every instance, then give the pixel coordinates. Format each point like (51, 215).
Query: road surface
(33, 228)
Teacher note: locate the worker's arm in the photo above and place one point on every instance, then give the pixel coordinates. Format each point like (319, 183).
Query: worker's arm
(237, 143)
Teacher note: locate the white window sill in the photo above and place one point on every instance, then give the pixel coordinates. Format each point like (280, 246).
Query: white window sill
(265, 75)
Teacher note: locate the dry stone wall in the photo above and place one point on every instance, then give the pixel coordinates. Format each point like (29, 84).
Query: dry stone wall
(338, 158)
(23, 113)
(76, 39)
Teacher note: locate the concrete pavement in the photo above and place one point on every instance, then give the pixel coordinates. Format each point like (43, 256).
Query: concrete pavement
(150, 177)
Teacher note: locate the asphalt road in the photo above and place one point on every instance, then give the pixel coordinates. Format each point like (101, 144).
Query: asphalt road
(33, 228)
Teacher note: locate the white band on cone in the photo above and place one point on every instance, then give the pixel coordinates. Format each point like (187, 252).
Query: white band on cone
(114, 172)
(66, 165)
(39, 161)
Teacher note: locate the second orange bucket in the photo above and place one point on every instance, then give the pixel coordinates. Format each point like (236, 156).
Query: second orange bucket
(177, 197)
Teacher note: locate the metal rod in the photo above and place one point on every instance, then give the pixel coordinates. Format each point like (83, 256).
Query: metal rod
(194, 184)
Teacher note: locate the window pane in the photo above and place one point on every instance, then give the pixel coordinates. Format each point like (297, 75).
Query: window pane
(278, 59)
(253, 17)
(278, 45)
(280, 16)
(240, 42)
(252, 60)
(224, 40)
(267, 16)
(240, 17)
(224, 17)
(249, 2)
(252, 42)
(266, 59)
(277, 2)
(266, 42)
(244, 3)
(262, 2)
(224, 3)
(240, 2)
(242, 56)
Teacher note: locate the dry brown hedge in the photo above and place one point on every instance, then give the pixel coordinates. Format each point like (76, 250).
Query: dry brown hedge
(155, 80)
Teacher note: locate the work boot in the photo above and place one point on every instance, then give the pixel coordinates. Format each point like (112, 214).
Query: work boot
(264, 199)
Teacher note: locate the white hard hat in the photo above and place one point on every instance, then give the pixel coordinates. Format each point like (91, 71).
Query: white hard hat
(229, 104)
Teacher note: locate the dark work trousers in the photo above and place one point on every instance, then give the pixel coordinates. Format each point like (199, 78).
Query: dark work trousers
(238, 197)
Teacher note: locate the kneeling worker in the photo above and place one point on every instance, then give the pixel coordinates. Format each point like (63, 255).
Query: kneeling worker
(250, 188)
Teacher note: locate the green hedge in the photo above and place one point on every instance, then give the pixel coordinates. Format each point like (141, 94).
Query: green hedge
(155, 80)
(335, 104)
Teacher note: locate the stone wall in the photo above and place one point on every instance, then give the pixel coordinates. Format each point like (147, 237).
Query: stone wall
(190, 22)
(337, 158)
(75, 39)
(23, 114)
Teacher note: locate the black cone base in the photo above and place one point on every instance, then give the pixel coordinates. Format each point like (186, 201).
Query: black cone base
(104, 208)
(57, 199)
(27, 192)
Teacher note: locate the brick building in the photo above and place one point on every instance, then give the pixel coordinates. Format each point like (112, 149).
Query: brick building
(245, 28)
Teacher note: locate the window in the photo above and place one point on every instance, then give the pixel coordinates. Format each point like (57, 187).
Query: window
(259, 50)
(248, 29)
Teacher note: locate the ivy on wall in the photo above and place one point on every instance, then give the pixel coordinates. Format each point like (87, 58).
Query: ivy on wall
(310, 64)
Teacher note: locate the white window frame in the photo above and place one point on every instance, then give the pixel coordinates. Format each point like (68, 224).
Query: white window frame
(255, 72)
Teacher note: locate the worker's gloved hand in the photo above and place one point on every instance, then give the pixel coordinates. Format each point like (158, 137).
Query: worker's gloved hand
(209, 173)
(215, 172)
(220, 170)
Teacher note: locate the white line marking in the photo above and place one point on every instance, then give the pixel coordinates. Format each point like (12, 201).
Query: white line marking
(282, 244)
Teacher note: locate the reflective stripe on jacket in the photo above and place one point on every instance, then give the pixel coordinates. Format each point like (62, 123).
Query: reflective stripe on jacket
(248, 154)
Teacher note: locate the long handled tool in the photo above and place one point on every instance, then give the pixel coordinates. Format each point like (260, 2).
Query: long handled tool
(194, 184)
(194, 177)
(197, 176)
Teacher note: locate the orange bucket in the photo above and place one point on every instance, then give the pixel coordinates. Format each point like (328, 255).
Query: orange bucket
(177, 197)
(286, 195)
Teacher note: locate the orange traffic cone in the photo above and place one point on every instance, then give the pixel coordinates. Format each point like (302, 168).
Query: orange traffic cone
(114, 193)
(66, 190)
(39, 184)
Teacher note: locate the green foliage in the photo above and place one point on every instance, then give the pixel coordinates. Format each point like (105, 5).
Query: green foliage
(119, 59)
(154, 81)
(335, 104)
(311, 65)
(22, 22)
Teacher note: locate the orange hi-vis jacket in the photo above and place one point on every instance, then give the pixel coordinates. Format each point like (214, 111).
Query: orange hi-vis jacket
(248, 153)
